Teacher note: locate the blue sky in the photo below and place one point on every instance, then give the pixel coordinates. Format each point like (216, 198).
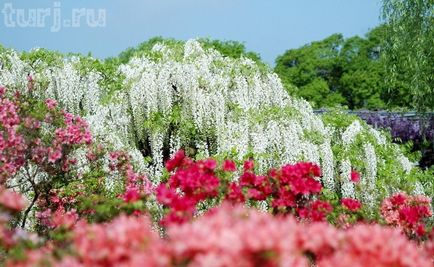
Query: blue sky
(268, 27)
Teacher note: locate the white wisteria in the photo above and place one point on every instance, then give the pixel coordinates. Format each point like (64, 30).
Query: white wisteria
(370, 175)
(327, 165)
(349, 135)
(195, 98)
(347, 187)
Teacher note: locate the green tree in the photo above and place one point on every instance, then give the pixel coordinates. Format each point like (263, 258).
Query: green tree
(409, 49)
(315, 71)
(338, 71)
(362, 81)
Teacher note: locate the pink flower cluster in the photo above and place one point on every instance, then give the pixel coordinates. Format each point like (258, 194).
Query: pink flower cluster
(315, 211)
(11, 200)
(10, 204)
(233, 236)
(54, 212)
(76, 131)
(21, 140)
(355, 176)
(127, 241)
(51, 150)
(12, 143)
(137, 185)
(51, 104)
(58, 218)
(407, 212)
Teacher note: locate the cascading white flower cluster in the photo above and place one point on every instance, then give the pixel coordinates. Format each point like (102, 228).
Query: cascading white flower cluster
(75, 92)
(207, 86)
(349, 135)
(13, 71)
(347, 187)
(327, 164)
(230, 105)
(370, 175)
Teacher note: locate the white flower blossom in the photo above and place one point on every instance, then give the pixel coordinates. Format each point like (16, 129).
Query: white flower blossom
(347, 186)
(327, 165)
(406, 164)
(349, 135)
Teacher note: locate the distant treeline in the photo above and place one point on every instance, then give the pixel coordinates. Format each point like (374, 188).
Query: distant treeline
(349, 72)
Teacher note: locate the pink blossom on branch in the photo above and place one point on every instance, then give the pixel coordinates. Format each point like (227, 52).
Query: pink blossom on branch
(51, 104)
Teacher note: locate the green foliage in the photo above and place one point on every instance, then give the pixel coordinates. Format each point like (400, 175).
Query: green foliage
(350, 72)
(142, 49)
(409, 49)
(232, 49)
(41, 58)
(314, 70)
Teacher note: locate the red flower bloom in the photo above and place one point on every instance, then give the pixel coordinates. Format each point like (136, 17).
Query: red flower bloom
(323, 206)
(420, 230)
(410, 214)
(355, 176)
(316, 211)
(247, 179)
(176, 161)
(248, 165)
(255, 194)
(351, 204)
(210, 164)
(131, 195)
(398, 199)
(235, 194)
(165, 195)
(285, 199)
(229, 166)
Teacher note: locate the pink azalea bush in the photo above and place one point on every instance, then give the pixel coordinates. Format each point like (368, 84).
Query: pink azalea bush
(38, 135)
(11, 203)
(11, 200)
(232, 236)
(407, 212)
(12, 146)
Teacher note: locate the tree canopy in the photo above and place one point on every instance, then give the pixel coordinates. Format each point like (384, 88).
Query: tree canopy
(338, 71)
(409, 49)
